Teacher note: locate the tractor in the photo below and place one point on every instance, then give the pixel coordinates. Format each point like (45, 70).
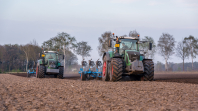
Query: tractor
(125, 60)
(49, 64)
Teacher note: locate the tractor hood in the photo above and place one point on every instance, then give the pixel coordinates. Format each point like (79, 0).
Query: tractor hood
(133, 55)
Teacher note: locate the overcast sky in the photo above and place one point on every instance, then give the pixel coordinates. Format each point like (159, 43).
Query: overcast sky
(21, 21)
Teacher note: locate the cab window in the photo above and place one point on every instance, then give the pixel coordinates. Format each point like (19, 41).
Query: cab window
(50, 56)
(128, 44)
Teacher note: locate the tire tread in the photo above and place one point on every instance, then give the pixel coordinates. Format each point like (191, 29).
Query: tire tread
(148, 70)
(117, 69)
(60, 74)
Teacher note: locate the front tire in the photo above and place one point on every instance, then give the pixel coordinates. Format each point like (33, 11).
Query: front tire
(148, 71)
(60, 75)
(41, 72)
(116, 69)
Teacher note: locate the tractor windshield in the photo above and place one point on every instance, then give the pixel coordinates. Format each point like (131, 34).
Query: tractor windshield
(127, 44)
(50, 56)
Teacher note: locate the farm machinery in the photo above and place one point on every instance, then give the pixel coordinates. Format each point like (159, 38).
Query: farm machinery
(125, 60)
(49, 64)
(86, 74)
(31, 72)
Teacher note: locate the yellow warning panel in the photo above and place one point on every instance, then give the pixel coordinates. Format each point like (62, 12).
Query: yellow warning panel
(43, 55)
(117, 45)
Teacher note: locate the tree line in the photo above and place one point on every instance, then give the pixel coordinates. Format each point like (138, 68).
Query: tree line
(19, 58)
(22, 57)
(166, 47)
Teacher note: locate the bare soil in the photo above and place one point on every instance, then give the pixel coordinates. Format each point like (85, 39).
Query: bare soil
(168, 92)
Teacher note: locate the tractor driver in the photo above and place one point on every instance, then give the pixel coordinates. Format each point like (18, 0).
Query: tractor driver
(50, 57)
(124, 47)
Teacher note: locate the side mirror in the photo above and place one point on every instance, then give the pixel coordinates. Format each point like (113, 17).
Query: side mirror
(150, 46)
(109, 43)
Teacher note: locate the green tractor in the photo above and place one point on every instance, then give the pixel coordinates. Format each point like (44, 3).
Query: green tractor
(125, 60)
(49, 64)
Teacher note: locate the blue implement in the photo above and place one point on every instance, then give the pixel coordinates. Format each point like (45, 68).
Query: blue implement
(90, 73)
(31, 72)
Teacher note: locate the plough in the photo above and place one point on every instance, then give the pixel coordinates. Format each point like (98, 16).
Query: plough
(87, 74)
(31, 72)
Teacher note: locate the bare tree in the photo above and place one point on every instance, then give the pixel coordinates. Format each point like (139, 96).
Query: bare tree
(166, 45)
(103, 42)
(27, 50)
(133, 33)
(83, 49)
(182, 51)
(145, 47)
(35, 49)
(192, 44)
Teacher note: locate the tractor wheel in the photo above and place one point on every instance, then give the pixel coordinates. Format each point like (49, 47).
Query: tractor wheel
(116, 69)
(60, 75)
(148, 71)
(41, 72)
(83, 76)
(105, 74)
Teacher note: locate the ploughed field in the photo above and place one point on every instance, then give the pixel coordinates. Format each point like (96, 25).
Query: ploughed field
(168, 92)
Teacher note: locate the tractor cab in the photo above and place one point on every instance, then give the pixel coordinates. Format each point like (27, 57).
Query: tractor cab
(51, 59)
(121, 45)
(128, 44)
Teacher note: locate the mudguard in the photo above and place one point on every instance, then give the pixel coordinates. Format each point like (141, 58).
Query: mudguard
(107, 56)
(39, 62)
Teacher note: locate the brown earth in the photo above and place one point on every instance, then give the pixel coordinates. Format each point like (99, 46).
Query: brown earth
(175, 92)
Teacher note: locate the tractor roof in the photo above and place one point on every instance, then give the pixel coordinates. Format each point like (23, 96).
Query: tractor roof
(122, 37)
(50, 52)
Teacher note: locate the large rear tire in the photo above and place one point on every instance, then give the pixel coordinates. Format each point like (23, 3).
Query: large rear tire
(105, 74)
(148, 70)
(60, 75)
(116, 69)
(41, 72)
